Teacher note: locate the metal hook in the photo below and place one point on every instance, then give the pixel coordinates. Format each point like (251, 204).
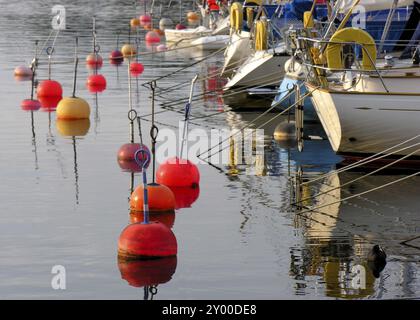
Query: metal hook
(132, 115)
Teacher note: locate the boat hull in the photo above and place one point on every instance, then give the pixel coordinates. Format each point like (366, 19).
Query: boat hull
(367, 123)
(237, 52)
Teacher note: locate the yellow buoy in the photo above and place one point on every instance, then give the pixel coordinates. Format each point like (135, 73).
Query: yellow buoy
(285, 131)
(72, 108)
(236, 16)
(128, 50)
(75, 128)
(261, 36)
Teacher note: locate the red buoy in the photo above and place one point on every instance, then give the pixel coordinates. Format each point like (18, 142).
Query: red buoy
(49, 88)
(128, 151)
(168, 219)
(180, 27)
(161, 199)
(49, 103)
(141, 273)
(96, 83)
(185, 197)
(94, 60)
(116, 57)
(152, 37)
(145, 19)
(176, 172)
(30, 105)
(147, 241)
(136, 68)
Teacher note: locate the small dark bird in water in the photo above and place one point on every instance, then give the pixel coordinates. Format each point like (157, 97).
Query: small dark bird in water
(377, 260)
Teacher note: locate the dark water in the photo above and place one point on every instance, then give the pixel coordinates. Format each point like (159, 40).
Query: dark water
(65, 202)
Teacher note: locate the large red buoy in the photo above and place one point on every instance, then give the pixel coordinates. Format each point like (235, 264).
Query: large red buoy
(142, 273)
(185, 197)
(94, 60)
(168, 219)
(180, 27)
(49, 88)
(147, 241)
(152, 37)
(161, 199)
(49, 103)
(136, 68)
(96, 83)
(176, 172)
(30, 105)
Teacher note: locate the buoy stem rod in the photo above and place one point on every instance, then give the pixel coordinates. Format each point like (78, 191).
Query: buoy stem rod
(154, 131)
(76, 63)
(187, 116)
(146, 198)
(33, 67)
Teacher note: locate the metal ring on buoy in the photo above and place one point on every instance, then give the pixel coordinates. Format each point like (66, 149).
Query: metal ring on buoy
(132, 115)
(49, 51)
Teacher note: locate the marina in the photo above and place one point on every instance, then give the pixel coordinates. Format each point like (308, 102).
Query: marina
(203, 150)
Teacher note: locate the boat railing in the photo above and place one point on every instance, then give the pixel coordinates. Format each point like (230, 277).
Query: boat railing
(319, 66)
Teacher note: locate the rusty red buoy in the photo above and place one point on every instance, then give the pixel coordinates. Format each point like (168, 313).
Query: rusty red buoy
(136, 68)
(96, 83)
(142, 273)
(147, 241)
(176, 172)
(49, 88)
(116, 57)
(30, 105)
(128, 151)
(161, 199)
(185, 197)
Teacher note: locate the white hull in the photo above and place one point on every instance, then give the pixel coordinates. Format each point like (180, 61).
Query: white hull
(211, 42)
(186, 35)
(263, 68)
(237, 52)
(368, 123)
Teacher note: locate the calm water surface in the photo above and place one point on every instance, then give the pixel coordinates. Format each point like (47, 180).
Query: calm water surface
(65, 202)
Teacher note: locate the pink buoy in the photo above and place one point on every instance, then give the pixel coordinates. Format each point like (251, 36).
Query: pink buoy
(145, 19)
(180, 27)
(96, 83)
(49, 88)
(176, 172)
(30, 105)
(152, 37)
(136, 68)
(161, 48)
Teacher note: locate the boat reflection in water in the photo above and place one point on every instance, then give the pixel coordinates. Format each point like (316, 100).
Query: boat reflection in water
(339, 235)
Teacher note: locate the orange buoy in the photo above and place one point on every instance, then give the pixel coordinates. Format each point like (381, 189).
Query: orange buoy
(168, 219)
(94, 60)
(134, 23)
(176, 172)
(49, 103)
(192, 16)
(30, 105)
(24, 72)
(185, 197)
(152, 37)
(49, 88)
(147, 241)
(142, 273)
(74, 128)
(73, 108)
(159, 32)
(96, 83)
(136, 68)
(161, 199)
(128, 50)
